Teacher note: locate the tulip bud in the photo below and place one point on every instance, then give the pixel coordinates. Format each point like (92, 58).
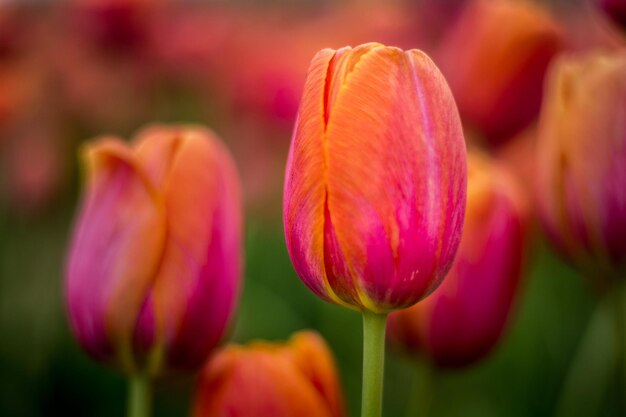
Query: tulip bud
(495, 59)
(154, 266)
(271, 380)
(465, 317)
(582, 161)
(376, 178)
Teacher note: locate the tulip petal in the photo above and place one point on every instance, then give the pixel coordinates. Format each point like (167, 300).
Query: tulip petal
(115, 251)
(196, 285)
(212, 298)
(314, 359)
(305, 183)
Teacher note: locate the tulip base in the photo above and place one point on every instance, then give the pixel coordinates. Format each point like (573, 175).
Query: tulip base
(139, 396)
(373, 363)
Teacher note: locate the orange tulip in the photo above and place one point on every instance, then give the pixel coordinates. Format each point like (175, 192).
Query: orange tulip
(296, 379)
(376, 178)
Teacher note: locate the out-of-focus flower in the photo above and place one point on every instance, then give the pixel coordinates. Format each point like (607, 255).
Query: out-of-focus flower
(21, 87)
(189, 44)
(376, 178)
(153, 270)
(121, 86)
(435, 17)
(588, 29)
(115, 25)
(465, 317)
(582, 161)
(33, 163)
(33, 150)
(615, 9)
(11, 31)
(495, 58)
(297, 379)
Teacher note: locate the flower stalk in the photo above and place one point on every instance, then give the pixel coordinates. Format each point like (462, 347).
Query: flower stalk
(139, 396)
(373, 363)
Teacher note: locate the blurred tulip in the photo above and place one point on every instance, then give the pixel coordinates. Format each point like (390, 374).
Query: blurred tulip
(376, 178)
(615, 9)
(33, 164)
(154, 266)
(11, 31)
(115, 25)
(25, 82)
(435, 17)
(462, 320)
(297, 379)
(588, 29)
(582, 161)
(495, 58)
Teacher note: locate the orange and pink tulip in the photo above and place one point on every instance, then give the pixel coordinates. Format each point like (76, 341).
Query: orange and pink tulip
(581, 156)
(154, 265)
(375, 184)
(295, 379)
(463, 320)
(495, 58)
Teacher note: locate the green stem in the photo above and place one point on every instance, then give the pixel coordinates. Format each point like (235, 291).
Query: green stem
(420, 397)
(373, 363)
(139, 396)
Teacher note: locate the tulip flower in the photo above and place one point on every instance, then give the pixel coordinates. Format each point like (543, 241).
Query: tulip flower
(295, 379)
(154, 264)
(464, 318)
(582, 161)
(375, 186)
(495, 59)
(581, 189)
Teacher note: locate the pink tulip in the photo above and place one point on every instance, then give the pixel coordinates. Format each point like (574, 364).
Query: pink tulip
(154, 266)
(376, 177)
(463, 320)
